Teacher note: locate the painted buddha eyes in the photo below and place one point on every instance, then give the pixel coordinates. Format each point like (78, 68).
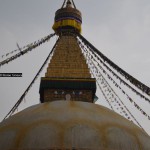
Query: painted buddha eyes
(61, 92)
(77, 92)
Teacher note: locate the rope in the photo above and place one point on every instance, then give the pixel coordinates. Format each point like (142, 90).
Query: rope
(114, 93)
(30, 47)
(63, 4)
(121, 102)
(7, 54)
(128, 97)
(132, 80)
(104, 94)
(105, 97)
(74, 4)
(29, 87)
(114, 82)
(121, 80)
(109, 89)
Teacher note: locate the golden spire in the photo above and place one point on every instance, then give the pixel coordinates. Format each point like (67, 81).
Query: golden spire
(68, 60)
(67, 74)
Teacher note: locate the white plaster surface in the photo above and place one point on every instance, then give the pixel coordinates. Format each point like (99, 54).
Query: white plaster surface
(70, 124)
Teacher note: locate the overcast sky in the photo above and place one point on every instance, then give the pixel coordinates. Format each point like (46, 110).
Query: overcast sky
(118, 28)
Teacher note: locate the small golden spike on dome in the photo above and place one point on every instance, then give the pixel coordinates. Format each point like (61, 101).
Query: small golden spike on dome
(69, 4)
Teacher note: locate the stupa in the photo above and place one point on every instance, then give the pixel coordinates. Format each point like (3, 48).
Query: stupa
(67, 118)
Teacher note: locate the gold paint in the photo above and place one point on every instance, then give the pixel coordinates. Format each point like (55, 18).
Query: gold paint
(68, 60)
(10, 127)
(45, 106)
(72, 104)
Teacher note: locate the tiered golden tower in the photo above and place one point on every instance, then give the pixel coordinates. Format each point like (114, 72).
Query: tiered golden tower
(68, 75)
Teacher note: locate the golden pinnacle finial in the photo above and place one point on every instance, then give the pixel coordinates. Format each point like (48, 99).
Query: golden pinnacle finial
(69, 4)
(67, 18)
